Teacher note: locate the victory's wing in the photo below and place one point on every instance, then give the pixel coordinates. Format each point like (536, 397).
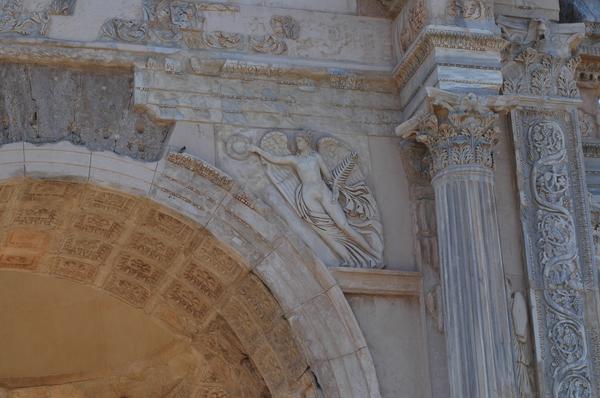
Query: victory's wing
(284, 178)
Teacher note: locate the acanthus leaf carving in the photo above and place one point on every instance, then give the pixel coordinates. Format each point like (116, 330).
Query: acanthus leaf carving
(539, 74)
(541, 64)
(458, 130)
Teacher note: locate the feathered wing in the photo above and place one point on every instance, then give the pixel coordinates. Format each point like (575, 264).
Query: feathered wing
(283, 177)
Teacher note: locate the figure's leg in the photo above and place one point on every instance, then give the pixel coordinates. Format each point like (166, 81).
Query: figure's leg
(335, 246)
(339, 217)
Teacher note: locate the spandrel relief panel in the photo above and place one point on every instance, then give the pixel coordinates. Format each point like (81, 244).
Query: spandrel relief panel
(319, 178)
(91, 108)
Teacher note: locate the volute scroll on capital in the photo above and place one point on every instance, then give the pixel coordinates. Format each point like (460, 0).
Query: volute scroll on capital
(457, 129)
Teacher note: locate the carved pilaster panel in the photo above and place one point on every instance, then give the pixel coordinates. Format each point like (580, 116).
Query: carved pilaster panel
(556, 267)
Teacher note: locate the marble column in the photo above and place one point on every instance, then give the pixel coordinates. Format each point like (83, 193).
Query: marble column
(460, 134)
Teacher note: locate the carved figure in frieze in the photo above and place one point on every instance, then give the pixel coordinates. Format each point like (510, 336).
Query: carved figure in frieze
(412, 21)
(327, 190)
(127, 30)
(62, 7)
(595, 227)
(468, 9)
(14, 18)
(284, 27)
(587, 124)
(163, 23)
(175, 23)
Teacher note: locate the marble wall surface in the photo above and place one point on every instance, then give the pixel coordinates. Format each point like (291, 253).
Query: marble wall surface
(318, 142)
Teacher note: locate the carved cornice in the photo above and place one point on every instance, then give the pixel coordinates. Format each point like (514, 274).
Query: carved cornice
(432, 37)
(458, 130)
(40, 50)
(378, 282)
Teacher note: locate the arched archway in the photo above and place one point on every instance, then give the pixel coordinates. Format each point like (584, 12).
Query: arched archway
(218, 269)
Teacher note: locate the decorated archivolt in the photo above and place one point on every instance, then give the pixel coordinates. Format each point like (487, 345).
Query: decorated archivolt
(321, 179)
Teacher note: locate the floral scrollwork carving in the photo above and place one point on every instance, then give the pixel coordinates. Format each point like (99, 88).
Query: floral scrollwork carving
(558, 260)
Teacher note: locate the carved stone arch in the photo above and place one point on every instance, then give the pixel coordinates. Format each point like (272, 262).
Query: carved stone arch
(238, 277)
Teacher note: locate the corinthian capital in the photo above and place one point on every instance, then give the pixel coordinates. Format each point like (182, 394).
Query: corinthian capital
(457, 129)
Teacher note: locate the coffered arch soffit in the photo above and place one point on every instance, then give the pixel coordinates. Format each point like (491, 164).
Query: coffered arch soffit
(231, 271)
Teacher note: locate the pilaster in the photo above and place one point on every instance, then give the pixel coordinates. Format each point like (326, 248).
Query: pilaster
(539, 77)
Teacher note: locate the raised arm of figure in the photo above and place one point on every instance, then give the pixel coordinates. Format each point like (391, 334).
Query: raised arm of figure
(288, 160)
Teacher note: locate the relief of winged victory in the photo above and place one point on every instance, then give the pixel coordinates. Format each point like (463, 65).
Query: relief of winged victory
(325, 186)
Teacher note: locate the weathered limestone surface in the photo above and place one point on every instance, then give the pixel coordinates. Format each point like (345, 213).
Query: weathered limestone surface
(89, 108)
(195, 165)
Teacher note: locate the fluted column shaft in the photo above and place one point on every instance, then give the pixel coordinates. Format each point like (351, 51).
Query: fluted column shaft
(460, 132)
(475, 306)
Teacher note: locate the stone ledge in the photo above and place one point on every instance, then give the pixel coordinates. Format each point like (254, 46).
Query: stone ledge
(378, 282)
